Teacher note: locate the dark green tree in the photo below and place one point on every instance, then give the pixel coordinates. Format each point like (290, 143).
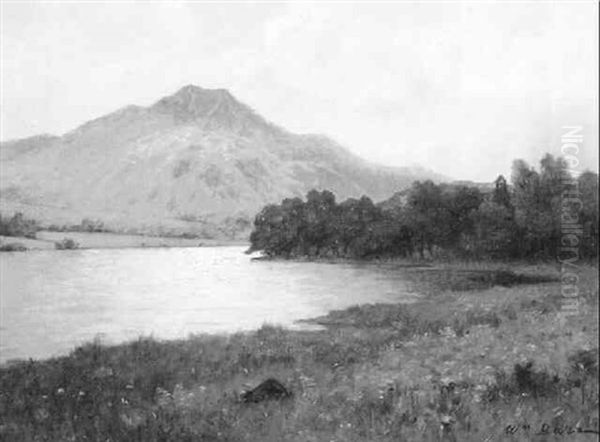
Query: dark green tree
(501, 194)
(588, 213)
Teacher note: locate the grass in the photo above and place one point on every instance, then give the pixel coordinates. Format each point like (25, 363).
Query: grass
(473, 360)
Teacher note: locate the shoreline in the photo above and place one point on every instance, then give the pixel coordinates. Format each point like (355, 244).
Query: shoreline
(45, 240)
(464, 356)
(429, 291)
(405, 262)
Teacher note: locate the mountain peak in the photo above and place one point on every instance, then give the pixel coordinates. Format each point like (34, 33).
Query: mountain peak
(193, 102)
(212, 109)
(193, 91)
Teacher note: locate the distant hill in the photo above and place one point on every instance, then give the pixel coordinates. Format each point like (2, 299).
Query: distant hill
(198, 161)
(485, 188)
(400, 199)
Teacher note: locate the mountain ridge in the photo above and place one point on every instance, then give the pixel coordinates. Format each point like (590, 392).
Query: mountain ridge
(196, 160)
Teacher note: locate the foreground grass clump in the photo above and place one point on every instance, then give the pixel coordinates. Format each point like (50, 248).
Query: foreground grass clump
(499, 363)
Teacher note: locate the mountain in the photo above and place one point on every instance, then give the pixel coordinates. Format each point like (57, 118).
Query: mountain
(198, 161)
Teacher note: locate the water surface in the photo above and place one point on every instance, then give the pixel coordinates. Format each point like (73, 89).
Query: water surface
(52, 301)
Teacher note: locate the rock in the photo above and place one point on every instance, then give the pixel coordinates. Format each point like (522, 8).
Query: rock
(271, 389)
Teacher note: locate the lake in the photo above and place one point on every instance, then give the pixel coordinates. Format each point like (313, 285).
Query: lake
(52, 301)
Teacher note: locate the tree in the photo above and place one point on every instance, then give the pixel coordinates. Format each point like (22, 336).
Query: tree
(588, 213)
(425, 206)
(494, 230)
(319, 214)
(18, 225)
(294, 226)
(526, 201)
(523, 221)
(501, 194)
(268, 234)
(461, 202)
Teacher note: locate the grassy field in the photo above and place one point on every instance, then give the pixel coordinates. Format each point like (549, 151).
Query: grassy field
(485, 355)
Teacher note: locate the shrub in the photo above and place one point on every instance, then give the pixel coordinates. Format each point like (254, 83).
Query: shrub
(66, 244)
(89, 225)
(18, 225)
(12, 247)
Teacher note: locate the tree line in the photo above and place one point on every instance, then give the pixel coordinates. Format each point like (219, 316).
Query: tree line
(541, 213)
(18, 225)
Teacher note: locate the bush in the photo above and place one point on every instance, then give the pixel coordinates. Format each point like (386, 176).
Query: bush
(12, 247)
(66, 244)
(89, 225)
(18, 225)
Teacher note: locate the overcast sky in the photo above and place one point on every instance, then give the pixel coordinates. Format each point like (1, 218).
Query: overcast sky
(460, 88)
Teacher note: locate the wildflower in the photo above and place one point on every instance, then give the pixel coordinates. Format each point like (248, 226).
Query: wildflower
(41, 414)
(446, 380)
(60, 391)
(446, 420)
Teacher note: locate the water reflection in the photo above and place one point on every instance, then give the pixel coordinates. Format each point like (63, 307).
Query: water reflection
(54, 300)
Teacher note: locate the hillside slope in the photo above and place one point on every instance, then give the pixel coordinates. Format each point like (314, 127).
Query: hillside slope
(197, 161)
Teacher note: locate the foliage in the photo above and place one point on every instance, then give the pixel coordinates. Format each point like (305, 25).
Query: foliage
(12, 247)
(320, 227)
(18, 225)
(529, 219)
(66, 244)
(587, 185)
(90, 225)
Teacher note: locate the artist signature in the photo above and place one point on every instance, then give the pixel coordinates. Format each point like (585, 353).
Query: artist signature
(546, 429)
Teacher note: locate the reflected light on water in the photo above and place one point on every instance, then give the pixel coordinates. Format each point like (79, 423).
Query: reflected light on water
(53, 301)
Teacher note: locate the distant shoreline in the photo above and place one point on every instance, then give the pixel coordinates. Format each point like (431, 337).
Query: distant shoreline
(45, 240)
(400, 262)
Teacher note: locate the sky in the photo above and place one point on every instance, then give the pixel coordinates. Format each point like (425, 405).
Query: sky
(459, 88)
